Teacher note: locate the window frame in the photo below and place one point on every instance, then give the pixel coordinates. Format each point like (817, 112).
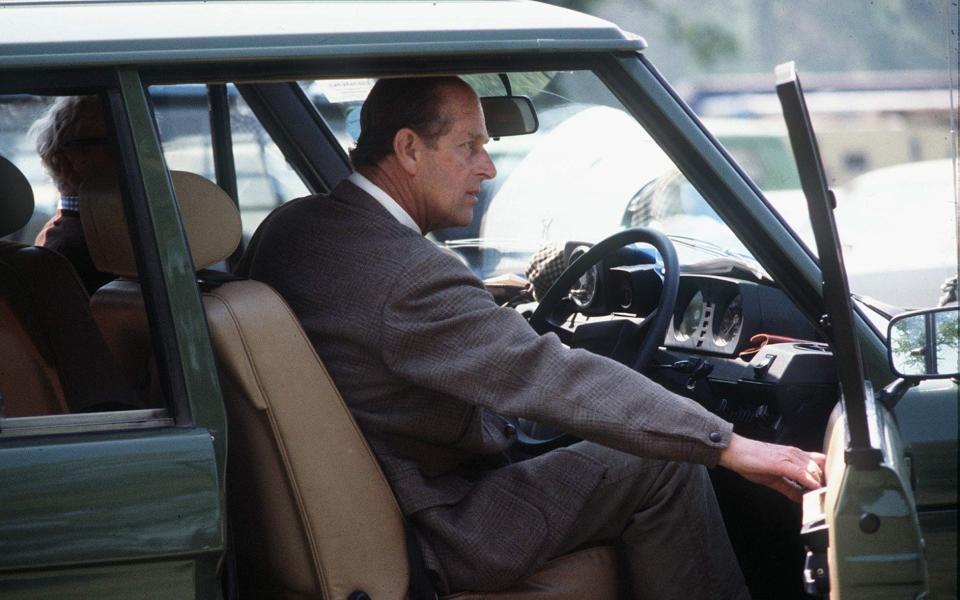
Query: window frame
(178, 328)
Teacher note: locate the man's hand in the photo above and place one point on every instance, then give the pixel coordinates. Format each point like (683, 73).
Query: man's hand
(788, 470)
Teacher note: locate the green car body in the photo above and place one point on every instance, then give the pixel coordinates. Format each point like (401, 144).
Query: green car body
(132, 504)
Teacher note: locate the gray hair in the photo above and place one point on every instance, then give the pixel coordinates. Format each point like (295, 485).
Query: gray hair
(69, 118)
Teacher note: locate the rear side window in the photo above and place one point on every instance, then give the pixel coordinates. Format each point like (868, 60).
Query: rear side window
(74, 339)
(264, 179)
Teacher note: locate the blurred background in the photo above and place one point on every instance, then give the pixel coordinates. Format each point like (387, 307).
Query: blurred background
(881, 78)
(883, 71)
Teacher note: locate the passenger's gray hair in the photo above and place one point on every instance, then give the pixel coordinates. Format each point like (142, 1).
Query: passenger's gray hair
(68, 118)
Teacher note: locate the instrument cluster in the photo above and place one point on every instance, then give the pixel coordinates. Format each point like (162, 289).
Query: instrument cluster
(714, 314)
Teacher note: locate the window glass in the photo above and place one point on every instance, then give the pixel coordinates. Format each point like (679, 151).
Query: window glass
(339, 102)
(886, 159)
(184, 124)
(264, 179)
(65, 347)
(590, 170)
(17, 114)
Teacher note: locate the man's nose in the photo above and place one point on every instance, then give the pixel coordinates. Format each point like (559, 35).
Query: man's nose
(487, 168)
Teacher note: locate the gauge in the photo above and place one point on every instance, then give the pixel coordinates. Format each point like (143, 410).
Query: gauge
(690, 321)
(625, 293)
(584, 291)
(730, 322)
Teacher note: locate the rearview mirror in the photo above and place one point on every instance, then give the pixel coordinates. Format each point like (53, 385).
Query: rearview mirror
(509, 115)
(925, 344)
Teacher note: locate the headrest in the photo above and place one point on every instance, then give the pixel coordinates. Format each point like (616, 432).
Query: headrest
(209, 217)
(16, 198)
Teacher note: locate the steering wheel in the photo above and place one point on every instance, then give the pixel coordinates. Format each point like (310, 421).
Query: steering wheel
(556, 307)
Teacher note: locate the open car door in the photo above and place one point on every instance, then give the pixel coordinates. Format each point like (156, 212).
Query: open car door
(862, 530)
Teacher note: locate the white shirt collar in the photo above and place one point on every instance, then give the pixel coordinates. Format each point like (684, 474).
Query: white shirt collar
(385, 200)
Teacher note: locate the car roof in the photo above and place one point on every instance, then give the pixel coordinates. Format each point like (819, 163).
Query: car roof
(101, 33)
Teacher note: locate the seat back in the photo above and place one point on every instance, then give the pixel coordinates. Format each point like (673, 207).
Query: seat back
(53, 358)
(311, 513)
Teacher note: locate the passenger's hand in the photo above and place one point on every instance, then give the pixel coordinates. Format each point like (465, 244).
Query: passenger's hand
(790, 471)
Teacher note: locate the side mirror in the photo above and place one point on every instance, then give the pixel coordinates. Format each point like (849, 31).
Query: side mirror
(509, 115)
(925, 343)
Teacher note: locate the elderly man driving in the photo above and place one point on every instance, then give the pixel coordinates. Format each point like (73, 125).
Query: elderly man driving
(429, 364)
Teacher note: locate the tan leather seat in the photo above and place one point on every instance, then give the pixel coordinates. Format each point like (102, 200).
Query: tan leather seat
(52, 357)
(313, 515)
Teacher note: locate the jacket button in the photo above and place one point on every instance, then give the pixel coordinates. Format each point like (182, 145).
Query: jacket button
(509, 430)
(715, 437)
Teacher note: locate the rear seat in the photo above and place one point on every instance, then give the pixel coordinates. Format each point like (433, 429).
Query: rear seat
(53, 358)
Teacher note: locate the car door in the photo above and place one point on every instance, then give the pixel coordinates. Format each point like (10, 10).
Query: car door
(862, 528)
(927, 417)
(113, 499)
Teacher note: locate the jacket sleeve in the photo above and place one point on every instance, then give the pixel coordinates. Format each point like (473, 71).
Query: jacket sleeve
(442, 330)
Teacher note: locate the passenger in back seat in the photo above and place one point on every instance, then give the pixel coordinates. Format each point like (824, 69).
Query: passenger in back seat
(72, 141)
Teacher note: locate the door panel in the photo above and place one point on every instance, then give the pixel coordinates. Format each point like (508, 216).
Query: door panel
(147, 496)
(927, 418)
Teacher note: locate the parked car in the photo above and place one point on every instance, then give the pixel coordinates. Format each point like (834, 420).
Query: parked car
(175, 436)
(899, 230)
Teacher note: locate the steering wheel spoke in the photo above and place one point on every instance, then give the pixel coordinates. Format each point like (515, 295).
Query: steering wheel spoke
(556, 321)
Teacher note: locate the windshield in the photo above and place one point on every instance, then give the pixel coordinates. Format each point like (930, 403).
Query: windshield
(587, 172)
(592, 169)
(888, 146)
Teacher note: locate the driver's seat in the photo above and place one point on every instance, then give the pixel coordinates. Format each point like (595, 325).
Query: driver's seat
(311, 512)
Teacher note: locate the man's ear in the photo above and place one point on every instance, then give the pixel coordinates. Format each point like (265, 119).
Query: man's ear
(406, 147)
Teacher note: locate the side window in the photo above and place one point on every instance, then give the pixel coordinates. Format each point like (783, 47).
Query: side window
(184, 126)
(73, 338)
(339, 101)
(264, 179)
(17, 114)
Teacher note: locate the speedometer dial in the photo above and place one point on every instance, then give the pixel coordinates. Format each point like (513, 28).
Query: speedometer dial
(690, 321)
(730, 323)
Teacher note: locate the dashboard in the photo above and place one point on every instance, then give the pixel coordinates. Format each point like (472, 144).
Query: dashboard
(716, 313)
(711, 351)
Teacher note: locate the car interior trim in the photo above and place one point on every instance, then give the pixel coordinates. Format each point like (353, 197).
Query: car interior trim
(321, 166)
(167, 273)
(145, 418)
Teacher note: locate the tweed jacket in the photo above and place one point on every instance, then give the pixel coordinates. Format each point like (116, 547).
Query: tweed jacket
(428, 363)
